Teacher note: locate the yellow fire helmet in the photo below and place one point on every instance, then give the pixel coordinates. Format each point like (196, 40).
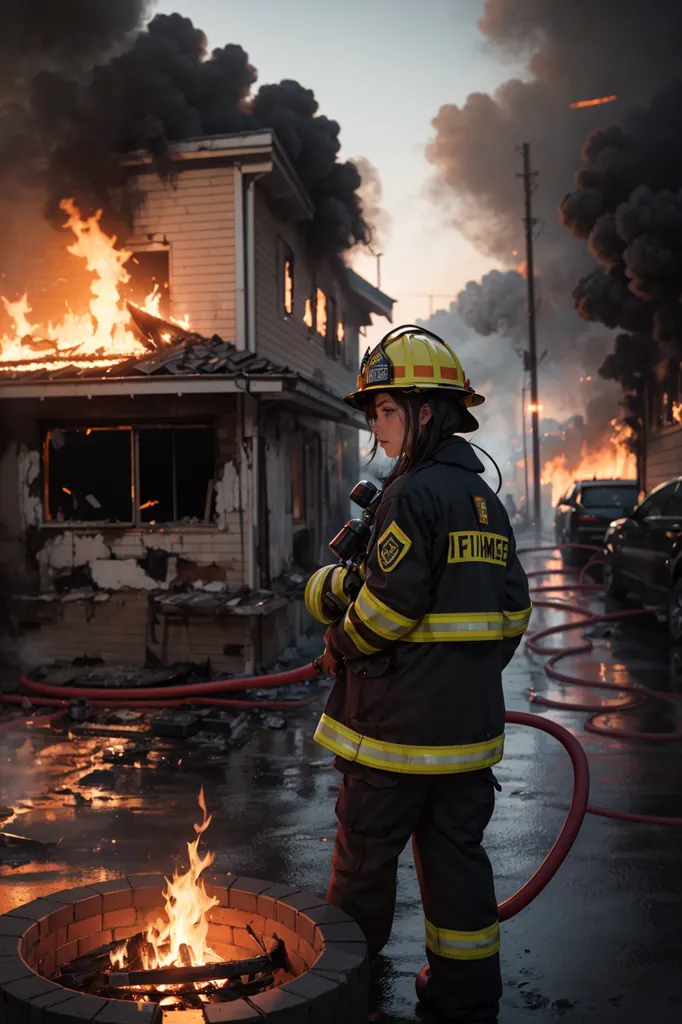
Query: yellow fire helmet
(412, 358)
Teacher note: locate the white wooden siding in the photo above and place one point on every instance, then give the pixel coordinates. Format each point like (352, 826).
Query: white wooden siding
(196, 215)
(287, 341)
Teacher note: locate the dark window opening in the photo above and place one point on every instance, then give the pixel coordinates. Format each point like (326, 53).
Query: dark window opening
(89, 475)
(149, 275)
(131, 475)
(331, 340)
(176, 467)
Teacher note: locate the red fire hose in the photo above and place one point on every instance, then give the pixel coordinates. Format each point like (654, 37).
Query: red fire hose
(196, 693)
(640, 693)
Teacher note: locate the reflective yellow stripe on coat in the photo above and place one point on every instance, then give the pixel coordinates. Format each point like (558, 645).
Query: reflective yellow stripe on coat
(516, 622)
(400, 757)
(463, 945)
(438, 626)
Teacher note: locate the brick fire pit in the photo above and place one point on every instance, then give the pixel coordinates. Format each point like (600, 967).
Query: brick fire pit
(326, 953)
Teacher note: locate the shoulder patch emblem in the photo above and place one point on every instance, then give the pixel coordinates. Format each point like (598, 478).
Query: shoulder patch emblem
(481, 507)
(392, 547)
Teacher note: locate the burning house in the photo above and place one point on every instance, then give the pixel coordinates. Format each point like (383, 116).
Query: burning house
(173, 433)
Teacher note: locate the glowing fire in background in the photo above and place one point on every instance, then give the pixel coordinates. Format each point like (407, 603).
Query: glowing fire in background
(592, 103)
(181, 940)
(677, 412)
(96, 338)
(612, 460)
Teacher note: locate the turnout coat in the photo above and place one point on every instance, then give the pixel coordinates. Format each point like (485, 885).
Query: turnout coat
(442, 609)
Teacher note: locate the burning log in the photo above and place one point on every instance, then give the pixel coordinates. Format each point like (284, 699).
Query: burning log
(229, 969)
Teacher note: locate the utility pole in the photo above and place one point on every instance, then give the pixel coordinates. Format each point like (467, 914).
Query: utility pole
(378, 256)
(525, 445)
(528, 188)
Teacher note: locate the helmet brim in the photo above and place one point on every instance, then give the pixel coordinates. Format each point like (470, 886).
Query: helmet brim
(469, 399)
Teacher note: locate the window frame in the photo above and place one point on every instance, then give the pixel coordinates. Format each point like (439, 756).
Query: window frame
(135, 523)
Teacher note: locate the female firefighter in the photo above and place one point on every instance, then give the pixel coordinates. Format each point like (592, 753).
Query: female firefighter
(416, 714)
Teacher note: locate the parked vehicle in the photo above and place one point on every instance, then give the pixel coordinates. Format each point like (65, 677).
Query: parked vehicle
(584, 513)
(643, 553)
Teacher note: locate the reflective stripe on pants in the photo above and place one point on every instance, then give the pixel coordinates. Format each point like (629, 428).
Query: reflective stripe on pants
(398, 757)
(463, 945)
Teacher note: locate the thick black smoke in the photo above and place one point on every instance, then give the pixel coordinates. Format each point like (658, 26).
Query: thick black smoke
(39, 34)
(628, 205)
(162, 88)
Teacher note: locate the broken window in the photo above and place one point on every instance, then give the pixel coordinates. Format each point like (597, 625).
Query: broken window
(176, 467)
(149, 271)
(286, 277)
(88, 475)
(142, 475)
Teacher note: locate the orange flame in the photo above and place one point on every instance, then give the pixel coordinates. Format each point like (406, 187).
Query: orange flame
(593, 103)
(102, 335)
(677, 412)
(611, 461)
(187, 907)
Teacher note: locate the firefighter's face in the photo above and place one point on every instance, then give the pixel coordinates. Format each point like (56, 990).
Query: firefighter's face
(390, 424)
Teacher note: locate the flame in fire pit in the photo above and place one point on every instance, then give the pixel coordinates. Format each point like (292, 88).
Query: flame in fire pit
(181, 940)
(99, 337)
(612, 460)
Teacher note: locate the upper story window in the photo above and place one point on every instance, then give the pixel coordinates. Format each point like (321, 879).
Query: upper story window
(129, 475)
(308, 317)
(286, 276)
(321, 319)
(331, 341)
(149, 271)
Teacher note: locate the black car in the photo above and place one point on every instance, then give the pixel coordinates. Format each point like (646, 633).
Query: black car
(584, 513)
(643, 553)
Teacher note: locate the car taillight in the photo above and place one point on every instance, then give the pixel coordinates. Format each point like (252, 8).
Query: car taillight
(582, 517)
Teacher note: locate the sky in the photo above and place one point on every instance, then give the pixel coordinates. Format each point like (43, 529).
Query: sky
(382, 69)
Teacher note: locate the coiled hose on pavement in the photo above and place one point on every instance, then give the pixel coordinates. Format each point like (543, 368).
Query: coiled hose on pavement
(43, 694)
(587, 618)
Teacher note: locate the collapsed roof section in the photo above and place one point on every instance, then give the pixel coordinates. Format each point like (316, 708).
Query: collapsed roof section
(179, 362)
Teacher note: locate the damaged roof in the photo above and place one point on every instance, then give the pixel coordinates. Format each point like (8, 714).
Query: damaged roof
(178, 361)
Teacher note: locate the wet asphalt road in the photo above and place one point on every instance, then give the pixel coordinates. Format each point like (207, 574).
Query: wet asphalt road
(602, 944)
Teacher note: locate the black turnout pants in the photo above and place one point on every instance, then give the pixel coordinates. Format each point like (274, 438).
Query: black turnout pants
(446, 816)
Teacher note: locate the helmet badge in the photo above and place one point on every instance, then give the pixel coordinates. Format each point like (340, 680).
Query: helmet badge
(377, 369)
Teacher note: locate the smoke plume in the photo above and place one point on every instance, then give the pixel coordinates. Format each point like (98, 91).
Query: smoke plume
(495, 305)
(161, 87)
(371, 199)
(628, 205)
(572, 52)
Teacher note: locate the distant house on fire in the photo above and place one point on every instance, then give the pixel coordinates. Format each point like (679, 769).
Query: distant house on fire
(133, 489)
